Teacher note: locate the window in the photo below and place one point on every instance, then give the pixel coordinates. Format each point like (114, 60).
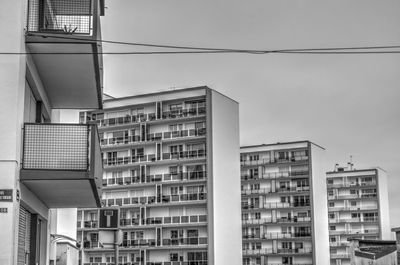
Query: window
(332, 239)
(353, 192)
(330, 192)
(331, 204)
(176, 127)
(331, 216)
(332, 227)
(329, 181)
(257, 215)
(353, 203)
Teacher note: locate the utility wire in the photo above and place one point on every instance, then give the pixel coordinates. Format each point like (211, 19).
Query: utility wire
(208, 50)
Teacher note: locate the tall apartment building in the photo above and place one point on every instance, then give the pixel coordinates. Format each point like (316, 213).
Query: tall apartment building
(170, 168)
(44, 164)
(358, 207)
(283, 204)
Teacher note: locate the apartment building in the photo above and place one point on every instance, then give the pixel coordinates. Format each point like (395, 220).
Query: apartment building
(283, 204)
(45, 164)
(358, 207)
(171, 171)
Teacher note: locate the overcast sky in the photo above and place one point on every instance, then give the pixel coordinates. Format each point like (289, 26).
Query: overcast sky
(348, 104)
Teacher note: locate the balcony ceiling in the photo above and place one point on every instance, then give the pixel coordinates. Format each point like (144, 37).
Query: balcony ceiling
(72, 81)
(63, 193)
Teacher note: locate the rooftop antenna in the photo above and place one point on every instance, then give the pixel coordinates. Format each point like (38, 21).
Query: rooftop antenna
(351, 163)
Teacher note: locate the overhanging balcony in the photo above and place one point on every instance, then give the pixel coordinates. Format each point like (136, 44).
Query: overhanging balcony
(68, 31)
(62, 164)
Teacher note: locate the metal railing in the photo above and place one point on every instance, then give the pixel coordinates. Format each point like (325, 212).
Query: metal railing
(186, 197)
(275, 175)
(247, 191)
(58, 146)
(193, 154)
(264, 251)
(184, 219)
(274, 205)
(272, 161)
(147, 117)
(60, 16)
(276, 220)
(165, 177)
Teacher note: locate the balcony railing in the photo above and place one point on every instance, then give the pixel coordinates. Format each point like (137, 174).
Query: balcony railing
(184, 241)
(274, 205)
(67, 153)
(88, 224)
(353, 220)
(148, 117)
(264, 251)
(351, 196)
(165, 177)
(351, 184)
(176, 263)
(153, 137)
(275, 235)
(275, 175)
(187, 197)
(194, 154)
(352, 208)
(273, 161)
(276, 220)
(340, 255)
(167, 220)
(247, 191)
(353, 231)
(61, 16)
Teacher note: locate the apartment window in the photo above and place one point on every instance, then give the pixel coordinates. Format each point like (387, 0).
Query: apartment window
(353, 203)
(353, 192)
(200, 125)
(332, 239)
(331, 216)
(176, 127)
(332, 228)
(329, 181)
(331, 204)
(257, 215)
(355, 215)
(173, 107)
(255, 187)
(330, 192)
(174, 257)
(302, 183)
(176, 149)
(254, 157)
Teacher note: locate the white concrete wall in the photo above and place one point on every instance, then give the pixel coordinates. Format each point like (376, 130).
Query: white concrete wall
(319, 206)
(224, 202)
(383, 197)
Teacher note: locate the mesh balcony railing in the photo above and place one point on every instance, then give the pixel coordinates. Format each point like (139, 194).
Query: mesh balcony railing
(60, 16)
(57, 147)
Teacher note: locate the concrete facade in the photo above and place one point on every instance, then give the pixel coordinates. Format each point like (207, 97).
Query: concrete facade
(358, 207)
(168, 157)
(282, 213)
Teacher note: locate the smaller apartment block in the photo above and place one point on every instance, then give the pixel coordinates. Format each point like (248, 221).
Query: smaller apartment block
(357, 208)
(282, 207)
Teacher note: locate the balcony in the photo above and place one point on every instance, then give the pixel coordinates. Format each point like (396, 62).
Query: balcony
(160, 136)
(273, 160)
(61, 164)
(68, 31)
(156, 178)
(264, 251)
(276, 175)
(152, 158)
(167, 220)
(282, 220)
(151, 200)
(200, 110)
(185, 241)
(275, 205)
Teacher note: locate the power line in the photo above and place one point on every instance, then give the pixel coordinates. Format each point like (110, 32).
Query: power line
(207, 50)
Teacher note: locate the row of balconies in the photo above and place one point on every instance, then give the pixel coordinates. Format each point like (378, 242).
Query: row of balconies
(264, 251)
(340, 255)
(193, 154)
(151, 137)
(354, 220)
(139, 243)
(149, 117)
(248, 262)
(165, 177)
(352, 184)
(186, 197)
(166, 220)
(353, 231)
(275, 205)
(339, 244)
(138, 262)
(273, 160)
(276, 220)
(275, 235)
(352, 208)
(275, 175)
(352, 196)
(247, 191)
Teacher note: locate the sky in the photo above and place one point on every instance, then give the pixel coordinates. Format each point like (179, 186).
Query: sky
(349, 104)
